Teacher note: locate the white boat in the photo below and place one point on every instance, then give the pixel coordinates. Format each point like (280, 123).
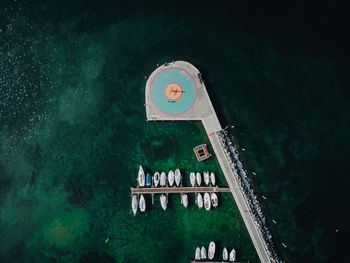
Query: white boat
(212, 178)
(211, 250)
(233, 255)
(199, 179)
(198, 254)
(156, 179)
(199, 200)
(206, 178)
(141, 177)
(193, 179)
(177, 177)
(171, 177)
(203, 253)
(224, 254)
(162, 179)
(142, 204)
(163, 202)
(207, 201)
(185, 200)
(134, 204)
(214, 199)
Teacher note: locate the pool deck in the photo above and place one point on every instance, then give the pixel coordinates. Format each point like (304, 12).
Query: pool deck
(203, 111)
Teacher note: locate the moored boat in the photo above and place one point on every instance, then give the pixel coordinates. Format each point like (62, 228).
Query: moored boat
(224, 254)
(212, 179)
(156, 179)
(163, 201)
(162, 179)
(148, 179)
(171, 178)
(199, 200)
(233, 255)
(207, 201)
(142, 204)
(199, 179)
(198, 254)
(203, 253)
(193, 179)
(177, 177)
(214, 199)
(211, 250)
(185, 200)
(134, 204)
(141, 177)
(206, 178)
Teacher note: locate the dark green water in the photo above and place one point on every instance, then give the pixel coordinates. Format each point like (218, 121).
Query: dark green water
(73, 128)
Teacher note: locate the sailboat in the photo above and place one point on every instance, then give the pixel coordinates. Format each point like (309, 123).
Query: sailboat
(206, 178)
(214, 199)
(171, 177)
(212, 178)
(141, 177)
(211, 250)
(233, 255)
(203, 253)
(224, 254)
(177, 177)
(207, 201)
(185, 200)
(134, 204)
(156, 179)
(199, 179)
(198, 254)
(199, 200)
(162, 179)
(163, 202)
(193, 179)
(142, 204)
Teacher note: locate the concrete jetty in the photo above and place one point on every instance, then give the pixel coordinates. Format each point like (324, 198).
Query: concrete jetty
(176, 92)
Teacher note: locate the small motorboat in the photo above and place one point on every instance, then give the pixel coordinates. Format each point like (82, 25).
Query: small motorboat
(199, 200)
(199, 179)
(148, 179)
(207, 201)
(134, 204)
(142, 204)
(193, 179)
(177, 177)
(163, 201)
(198, 254)
(214, 199)
(233, 255)
(211, 250)
(141, 177)
(171, 177)
(203, 253)
(156, 179)
(162, 179)
(206, 178)
(185, 200)
(212, 179)
(224, 254)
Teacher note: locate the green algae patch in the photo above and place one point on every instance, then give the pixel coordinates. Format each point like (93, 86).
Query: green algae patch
(63, 231)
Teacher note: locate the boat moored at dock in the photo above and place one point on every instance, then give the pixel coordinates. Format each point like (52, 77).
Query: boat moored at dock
(203, 253)
(224, 254)
(212, 178)
(185, 200)
(177, 177)
(171, 178)
(148, 179)
(162, 179)
(199, 179)
(142, 204)
(134, 204)
(193, 179)
(199, 200)
(198, 254)
(156, 179)
(232, 255)
(206, 178)
(141, 177)
(211, 250)
(163, 201)
(207, 201)
(214, 199)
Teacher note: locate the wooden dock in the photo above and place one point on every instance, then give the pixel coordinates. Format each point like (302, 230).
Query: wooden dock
(218, 261)
(179, 190)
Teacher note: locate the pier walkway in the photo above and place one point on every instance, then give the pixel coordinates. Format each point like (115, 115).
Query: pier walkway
(179, 190)
(176, 92)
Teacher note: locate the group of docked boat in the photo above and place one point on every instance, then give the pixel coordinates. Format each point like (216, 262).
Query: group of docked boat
(201, 253)
(174, 179)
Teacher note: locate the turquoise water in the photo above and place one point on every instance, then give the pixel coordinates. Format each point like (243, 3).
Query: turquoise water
(188, 91)
(74, 131)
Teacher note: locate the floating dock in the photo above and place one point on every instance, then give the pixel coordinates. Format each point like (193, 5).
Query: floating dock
(176, 92)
